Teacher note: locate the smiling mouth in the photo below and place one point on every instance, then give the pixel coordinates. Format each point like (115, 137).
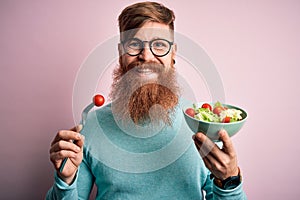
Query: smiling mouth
(144, 71)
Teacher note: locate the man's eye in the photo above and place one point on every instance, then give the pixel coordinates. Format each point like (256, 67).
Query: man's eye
(134, 45)
(159, 44)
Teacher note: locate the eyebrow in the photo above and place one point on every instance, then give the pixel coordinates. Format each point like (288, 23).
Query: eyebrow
(155, 38)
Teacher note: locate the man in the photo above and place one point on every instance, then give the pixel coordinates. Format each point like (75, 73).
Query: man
(142, 120)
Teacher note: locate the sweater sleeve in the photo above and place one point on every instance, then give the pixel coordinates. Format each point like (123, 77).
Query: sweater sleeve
(62, 191)
(213, 192)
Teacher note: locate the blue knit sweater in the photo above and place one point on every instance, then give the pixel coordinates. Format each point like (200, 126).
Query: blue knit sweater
(140, 164)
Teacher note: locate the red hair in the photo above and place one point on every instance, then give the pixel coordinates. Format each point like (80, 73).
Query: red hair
(136, 15)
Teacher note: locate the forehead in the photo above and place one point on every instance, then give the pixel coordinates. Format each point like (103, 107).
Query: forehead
(153, 30)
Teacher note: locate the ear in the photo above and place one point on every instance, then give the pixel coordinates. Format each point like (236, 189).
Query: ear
(120, 49)
(174, 50)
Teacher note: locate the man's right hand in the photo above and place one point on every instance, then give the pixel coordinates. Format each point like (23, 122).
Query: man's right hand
(63, 147)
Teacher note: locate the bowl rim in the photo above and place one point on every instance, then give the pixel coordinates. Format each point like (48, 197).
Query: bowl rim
(216, 123)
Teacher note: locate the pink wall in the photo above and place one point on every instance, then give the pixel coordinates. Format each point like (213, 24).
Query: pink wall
(254, 45)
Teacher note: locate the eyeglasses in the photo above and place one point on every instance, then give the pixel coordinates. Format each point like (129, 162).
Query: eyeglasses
(158, 47)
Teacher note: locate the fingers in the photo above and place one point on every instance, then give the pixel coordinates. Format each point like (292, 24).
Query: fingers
(67, 135)
(59, 155)
(68, 140)
(207, 146)
(73, 161)
(227, 143)
(204, 145)
(67, 143)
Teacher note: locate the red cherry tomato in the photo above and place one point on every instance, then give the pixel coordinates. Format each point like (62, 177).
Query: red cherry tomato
(217, 110)
(226, 119)
(190, 112)
(98, 100)
(207, 106)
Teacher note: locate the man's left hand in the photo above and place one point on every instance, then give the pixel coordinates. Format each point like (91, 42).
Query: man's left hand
(222, 162)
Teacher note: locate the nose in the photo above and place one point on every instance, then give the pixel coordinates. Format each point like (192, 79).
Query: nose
(146, 54)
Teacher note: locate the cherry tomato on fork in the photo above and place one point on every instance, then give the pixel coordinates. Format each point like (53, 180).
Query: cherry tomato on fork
(98, 100)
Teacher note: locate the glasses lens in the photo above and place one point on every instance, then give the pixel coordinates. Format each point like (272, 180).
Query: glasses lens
(160, 47)
(133, 46)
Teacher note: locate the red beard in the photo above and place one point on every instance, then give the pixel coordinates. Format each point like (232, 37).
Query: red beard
(140, 99)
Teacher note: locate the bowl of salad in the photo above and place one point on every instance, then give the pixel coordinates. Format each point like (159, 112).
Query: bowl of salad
(209, 118)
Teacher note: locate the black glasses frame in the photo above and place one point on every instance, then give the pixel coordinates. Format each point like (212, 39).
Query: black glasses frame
(143, 46)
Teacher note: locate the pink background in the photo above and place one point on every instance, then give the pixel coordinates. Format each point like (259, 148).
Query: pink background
(255, 46)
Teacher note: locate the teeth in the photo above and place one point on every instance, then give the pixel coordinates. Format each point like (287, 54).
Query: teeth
(144, 70)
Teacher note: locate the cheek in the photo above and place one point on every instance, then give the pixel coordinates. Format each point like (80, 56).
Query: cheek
(167, 61)
(128, 59)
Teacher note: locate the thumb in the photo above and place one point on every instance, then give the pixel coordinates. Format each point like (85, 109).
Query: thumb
(77, 128)
(227, 143)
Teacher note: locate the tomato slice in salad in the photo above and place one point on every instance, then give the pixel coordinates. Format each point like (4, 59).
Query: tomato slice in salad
(226, 119)
(207, 106)
(190, 112)
(217, 110)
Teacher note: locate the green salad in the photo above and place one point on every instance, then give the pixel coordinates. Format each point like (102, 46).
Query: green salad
(215, 113)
